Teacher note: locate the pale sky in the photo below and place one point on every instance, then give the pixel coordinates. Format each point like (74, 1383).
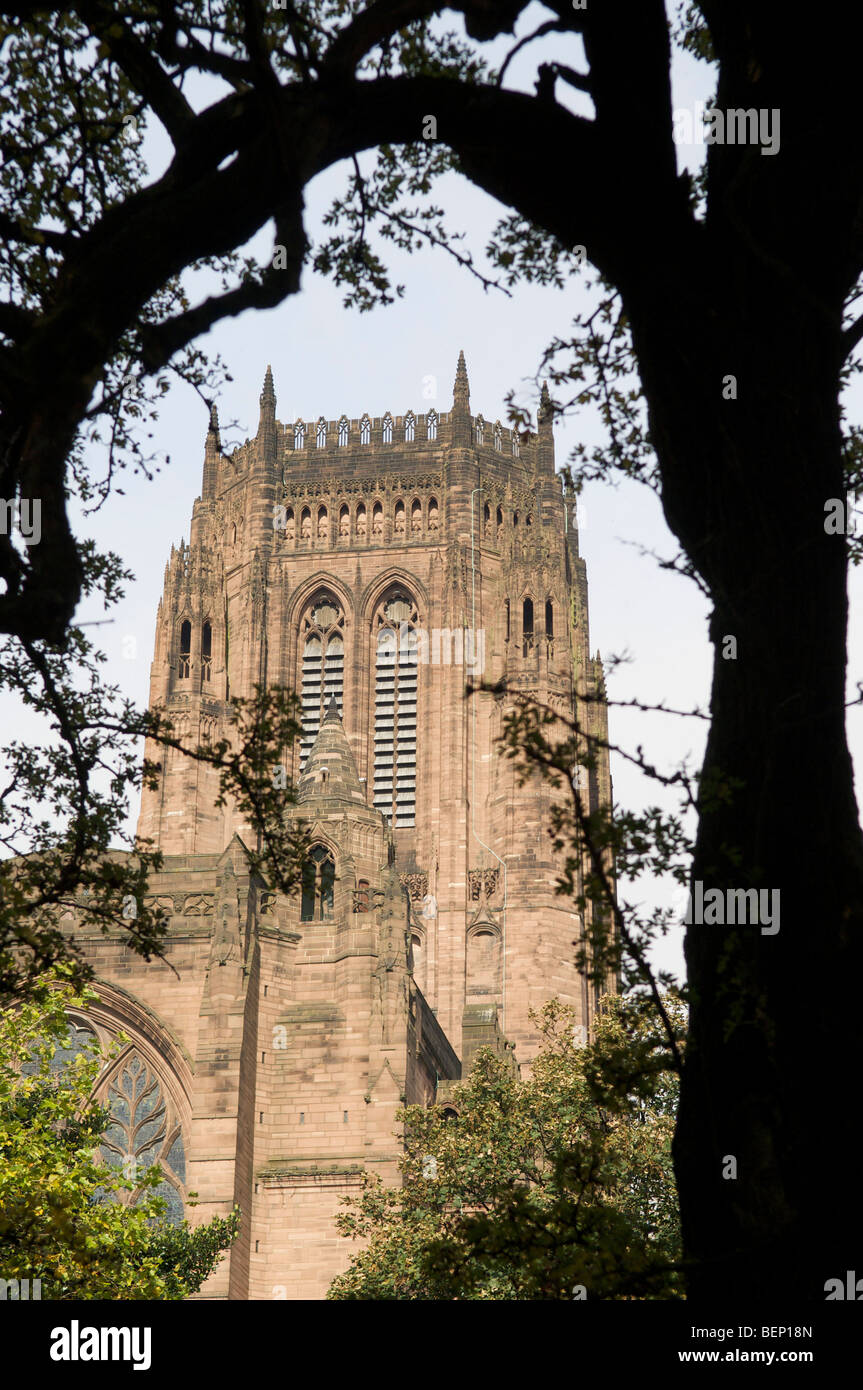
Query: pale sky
(327, 361)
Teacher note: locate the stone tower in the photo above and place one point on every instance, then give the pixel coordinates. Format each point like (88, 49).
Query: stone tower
(384, 562)
(377, 566)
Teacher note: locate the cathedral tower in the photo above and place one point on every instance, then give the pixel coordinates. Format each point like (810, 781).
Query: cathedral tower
(378, 566)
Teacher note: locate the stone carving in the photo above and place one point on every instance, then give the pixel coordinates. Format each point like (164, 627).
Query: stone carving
(416, 884)
(482, 883)
(198, 905)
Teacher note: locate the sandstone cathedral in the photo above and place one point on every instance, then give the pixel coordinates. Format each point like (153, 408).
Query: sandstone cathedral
(376, 566)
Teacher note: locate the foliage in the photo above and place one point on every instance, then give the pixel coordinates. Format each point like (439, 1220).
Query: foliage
(62, 1215)
(64, 799)
(534, 1186)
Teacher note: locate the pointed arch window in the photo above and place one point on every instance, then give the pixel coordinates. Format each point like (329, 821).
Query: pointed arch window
(343, 432)
(206, 651)
(431, 425)
(527, 624)
(549, 618)
(185, 662)
(321, 433)
(498, 437)
(143, 1132)
(388, 429)
(416, 517)
(395, 732)
(365, 430)
(323, 664)
(506, 619)
(318, 879)
(480, 429)
(410, 427)
(514, 444)
(299, 435)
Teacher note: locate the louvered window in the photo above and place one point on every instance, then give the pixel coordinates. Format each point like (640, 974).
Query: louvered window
(323, 663)
(185, 662)
(395, 736)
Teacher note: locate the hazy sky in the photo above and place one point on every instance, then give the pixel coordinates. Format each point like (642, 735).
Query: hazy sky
(327, 361)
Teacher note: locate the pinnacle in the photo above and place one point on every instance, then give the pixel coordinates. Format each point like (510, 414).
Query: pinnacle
(330, 769)
(461, 388)
(268, 394)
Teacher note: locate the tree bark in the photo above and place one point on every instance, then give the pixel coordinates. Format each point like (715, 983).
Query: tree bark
(765, 1146)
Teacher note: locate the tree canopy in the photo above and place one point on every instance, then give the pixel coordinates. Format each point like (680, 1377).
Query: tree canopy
(65, 1214)
(557, 1186)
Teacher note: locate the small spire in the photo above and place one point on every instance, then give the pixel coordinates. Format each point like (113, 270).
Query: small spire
(268, 395)
(545, 414)
(213, 427)
(332, 712)
(461, 388)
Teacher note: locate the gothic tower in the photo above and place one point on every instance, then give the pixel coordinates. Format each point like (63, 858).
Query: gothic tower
(377, 566)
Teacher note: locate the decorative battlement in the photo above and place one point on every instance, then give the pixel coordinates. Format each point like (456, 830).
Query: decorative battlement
(387, 431)
(353, 447)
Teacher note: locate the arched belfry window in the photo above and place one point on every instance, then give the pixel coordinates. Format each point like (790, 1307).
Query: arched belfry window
(206, 651)
(185, 662)
(395, 736)
(527, 624)
(323, 663)
(318, 878)
(549, 618)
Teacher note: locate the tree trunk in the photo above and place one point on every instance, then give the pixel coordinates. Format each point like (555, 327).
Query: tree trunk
(767, 1132)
